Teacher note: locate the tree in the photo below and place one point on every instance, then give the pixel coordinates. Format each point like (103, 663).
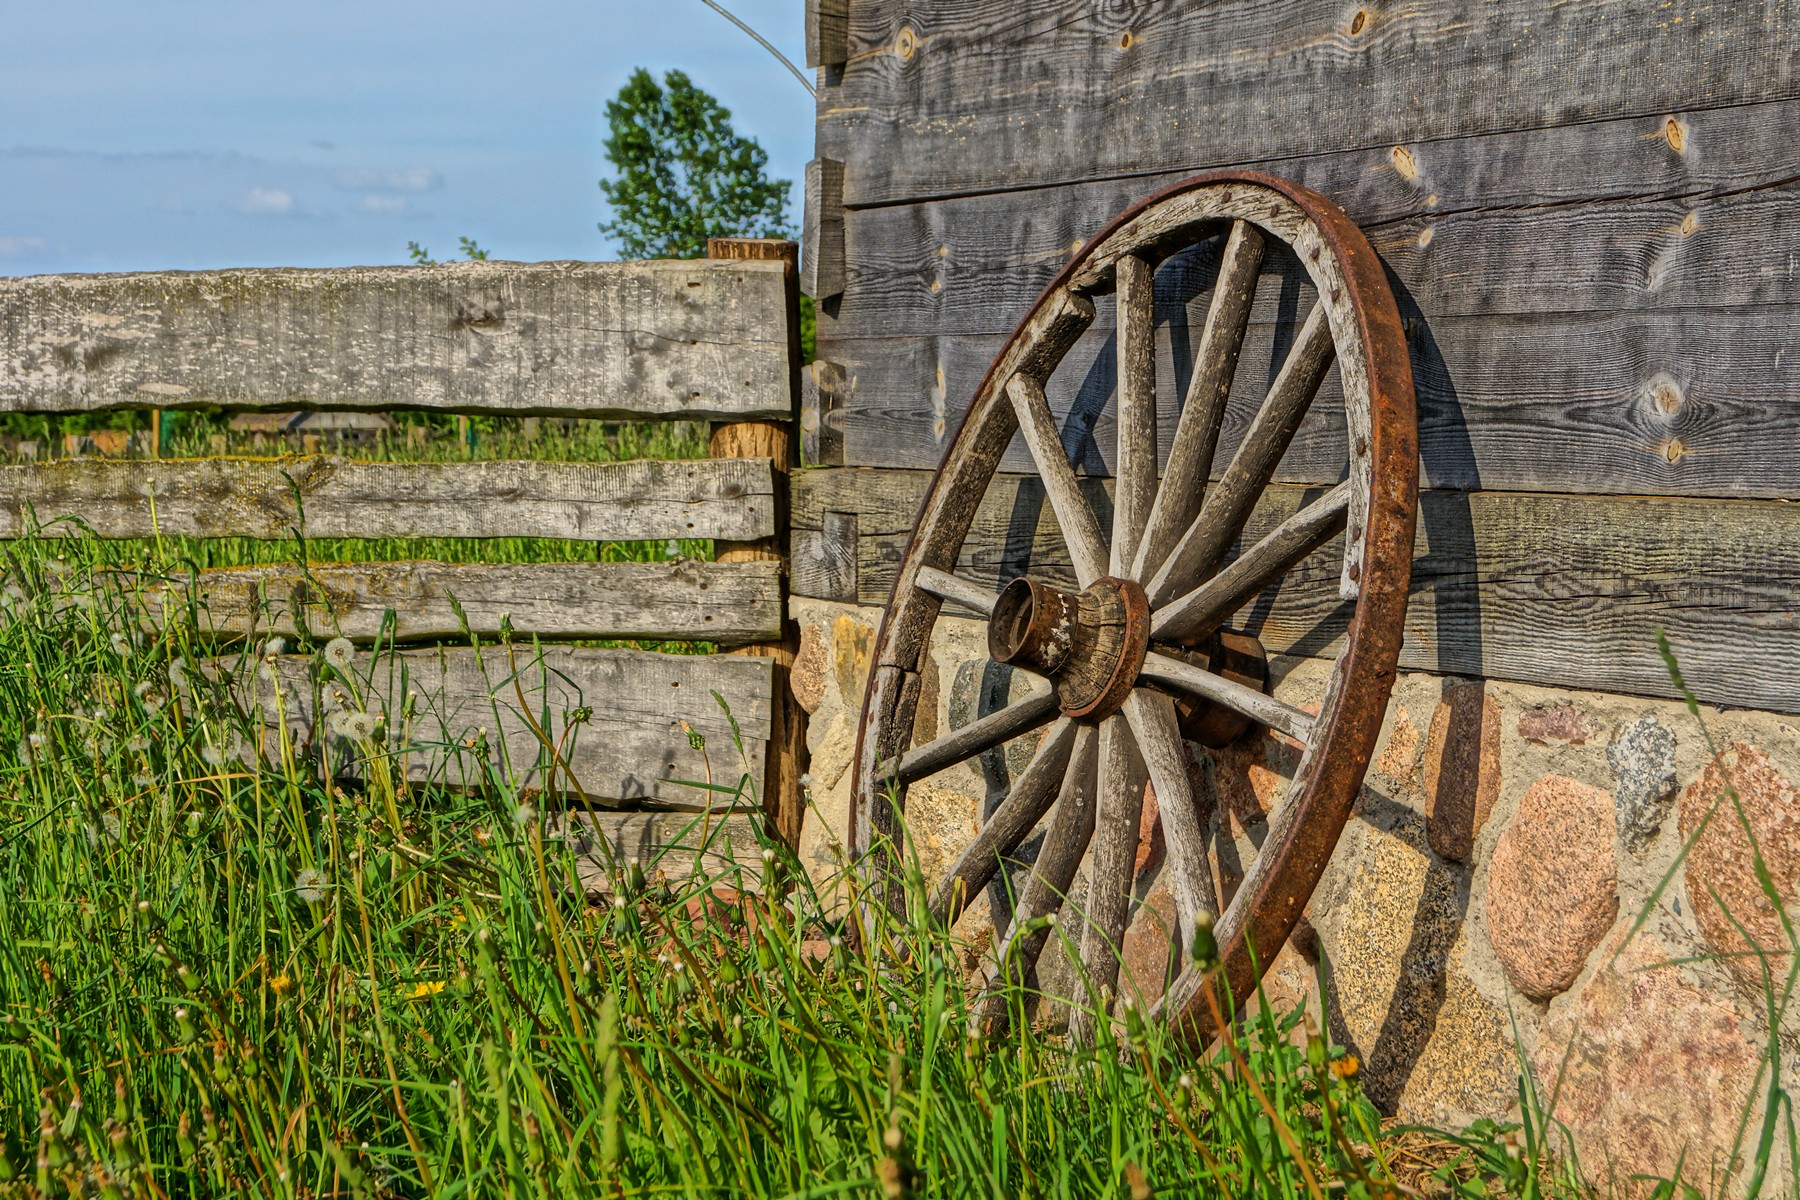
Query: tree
(684, 174)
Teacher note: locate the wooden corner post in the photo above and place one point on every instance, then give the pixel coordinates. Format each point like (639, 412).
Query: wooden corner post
(783, 804)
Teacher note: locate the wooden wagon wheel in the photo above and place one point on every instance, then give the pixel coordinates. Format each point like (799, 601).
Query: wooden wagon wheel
(1137, 649)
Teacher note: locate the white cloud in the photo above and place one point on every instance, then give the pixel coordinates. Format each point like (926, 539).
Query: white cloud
(12, 247)
(268, 202)
(368, 179)
(386, 206)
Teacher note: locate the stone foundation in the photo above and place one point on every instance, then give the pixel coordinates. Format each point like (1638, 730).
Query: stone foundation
(1480, 909)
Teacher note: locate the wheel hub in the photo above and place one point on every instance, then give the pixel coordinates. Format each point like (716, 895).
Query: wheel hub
(1090, 644)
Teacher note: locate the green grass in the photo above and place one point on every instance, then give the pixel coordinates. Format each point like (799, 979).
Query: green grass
(225, 973)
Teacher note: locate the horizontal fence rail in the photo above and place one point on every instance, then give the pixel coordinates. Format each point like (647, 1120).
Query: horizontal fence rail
(632, 727)
(265, 498)
(673, 340)
(726, 603)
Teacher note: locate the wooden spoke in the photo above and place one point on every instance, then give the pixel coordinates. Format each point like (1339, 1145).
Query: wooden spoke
(1227, 506)
(1277, 714)
(1030, 798)
(1204, 609)
(946, 586)
(1135, 489)
(1152, 720)
(1080, 528)
(983, 734)
(1117, 819)
(1047, 882)
(1203, 412)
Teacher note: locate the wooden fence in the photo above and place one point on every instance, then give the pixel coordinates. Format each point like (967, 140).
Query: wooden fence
(713, 340)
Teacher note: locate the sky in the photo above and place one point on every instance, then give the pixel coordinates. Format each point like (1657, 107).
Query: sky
(191, 134)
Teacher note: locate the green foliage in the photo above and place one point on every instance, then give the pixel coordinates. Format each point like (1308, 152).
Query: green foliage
(235, 964)
(420, 256)
(683, 173)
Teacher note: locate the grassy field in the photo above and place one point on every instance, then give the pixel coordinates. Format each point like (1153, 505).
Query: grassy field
(224, 972)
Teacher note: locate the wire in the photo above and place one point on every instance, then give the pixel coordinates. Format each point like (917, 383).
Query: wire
(764, 43)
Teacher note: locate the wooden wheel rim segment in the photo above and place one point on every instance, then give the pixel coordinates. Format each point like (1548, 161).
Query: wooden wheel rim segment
(1375, 506)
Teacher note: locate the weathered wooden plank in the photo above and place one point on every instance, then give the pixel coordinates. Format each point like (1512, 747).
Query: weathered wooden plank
(1684, 210)
(727, 603)
(948, 96)
(1671, 402)
(822, 274)
(685, 340)
(827, 32)
(1564, 591)
(264, 498)
(621, 719)
(673, 848)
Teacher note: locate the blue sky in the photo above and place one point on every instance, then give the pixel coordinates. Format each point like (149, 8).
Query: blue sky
(218, 133)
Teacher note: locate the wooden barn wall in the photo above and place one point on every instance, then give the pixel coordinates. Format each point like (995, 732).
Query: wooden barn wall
(1590, 213)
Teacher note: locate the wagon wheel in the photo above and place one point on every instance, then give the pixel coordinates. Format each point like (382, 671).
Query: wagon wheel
(1137, 655)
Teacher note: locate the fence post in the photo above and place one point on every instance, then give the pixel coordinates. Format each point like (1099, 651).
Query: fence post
(783, 804)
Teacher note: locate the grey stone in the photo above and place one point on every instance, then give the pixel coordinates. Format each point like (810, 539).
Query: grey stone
(1642, 755)
(980, 688)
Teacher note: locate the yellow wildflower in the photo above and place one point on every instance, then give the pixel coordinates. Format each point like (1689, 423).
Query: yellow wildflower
(428, 987)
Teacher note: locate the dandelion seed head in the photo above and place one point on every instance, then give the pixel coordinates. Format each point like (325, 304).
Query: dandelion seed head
(340, 653)
(525, 814)
(275, 647)
(37, 738)
(212, 755)
(358, 725)
(311, 885)
(178, 675)
(121, 645)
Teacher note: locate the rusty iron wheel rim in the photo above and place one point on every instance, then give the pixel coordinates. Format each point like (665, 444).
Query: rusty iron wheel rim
(1372, 362)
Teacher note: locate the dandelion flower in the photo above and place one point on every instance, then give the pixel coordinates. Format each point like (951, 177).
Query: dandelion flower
(281, 985)
(311, 885)
(340, 653)
(424, 988)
